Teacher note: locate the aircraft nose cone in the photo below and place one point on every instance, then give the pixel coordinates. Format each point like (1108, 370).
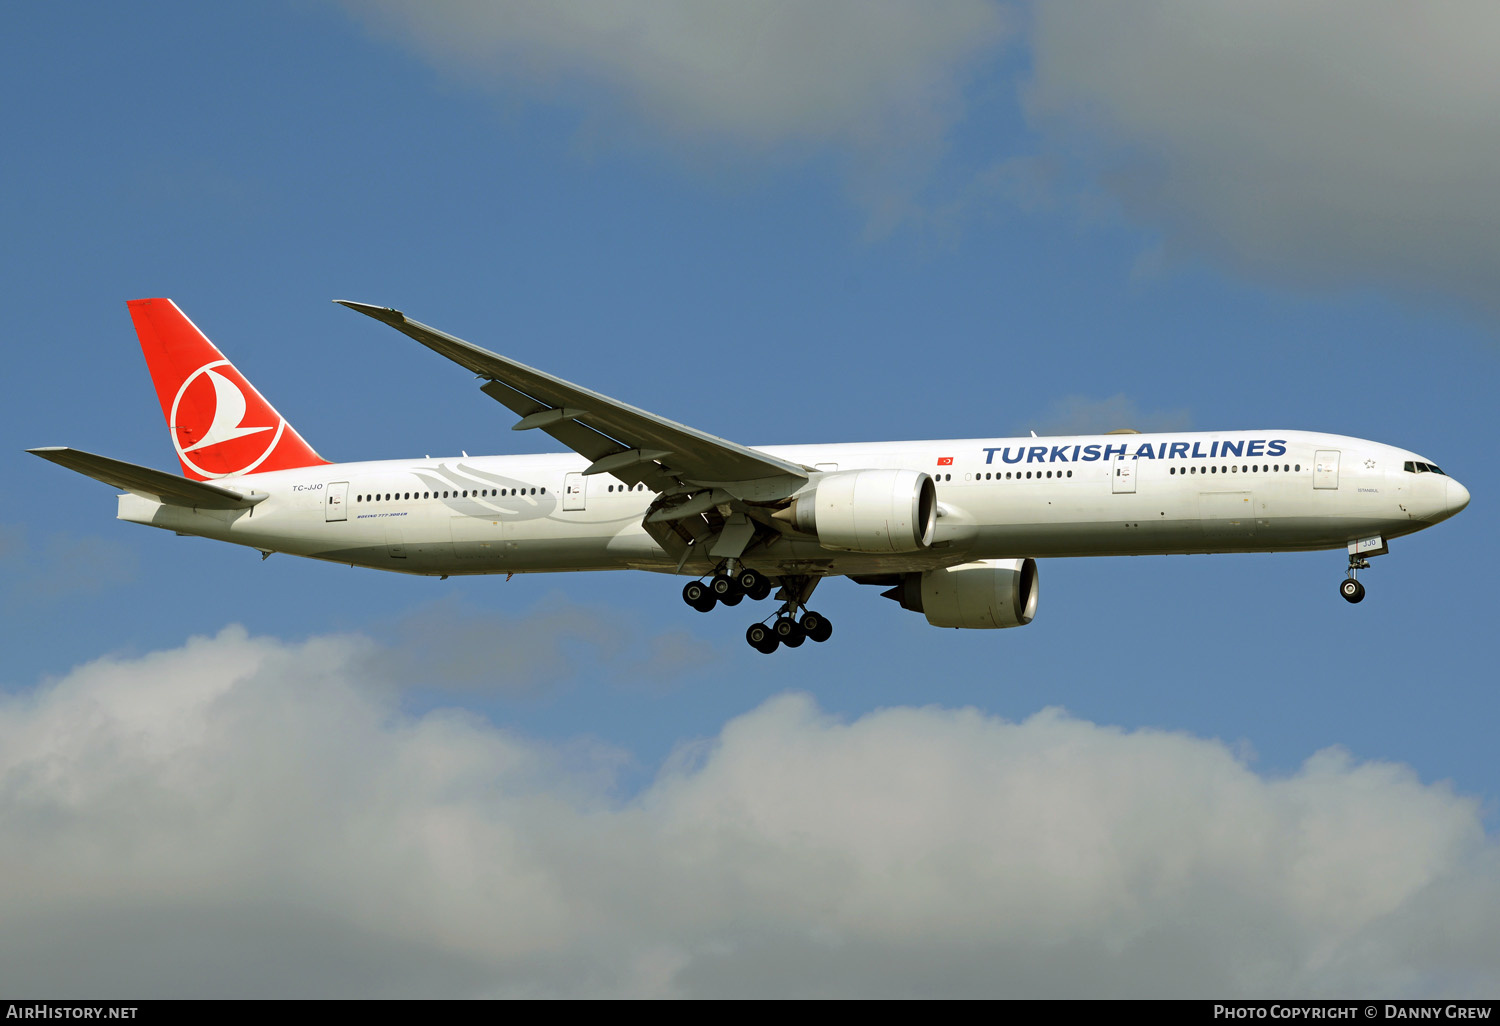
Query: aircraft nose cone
(1458, 497)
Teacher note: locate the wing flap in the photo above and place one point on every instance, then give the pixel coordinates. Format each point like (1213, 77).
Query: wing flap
(153, 484)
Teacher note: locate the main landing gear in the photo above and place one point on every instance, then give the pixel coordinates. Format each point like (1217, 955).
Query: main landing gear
(788, 631)
(1350, 587)
(726, 588)
(786, 627)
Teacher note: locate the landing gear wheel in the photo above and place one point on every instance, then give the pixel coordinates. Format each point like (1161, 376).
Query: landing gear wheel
(697, 595)
(789, 632)
(754, 584)
(1352, 590)
(816, 626)
(726, 589)
(762, 638)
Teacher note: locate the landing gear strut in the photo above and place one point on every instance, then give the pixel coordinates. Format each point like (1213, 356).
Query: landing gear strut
(1350, 587)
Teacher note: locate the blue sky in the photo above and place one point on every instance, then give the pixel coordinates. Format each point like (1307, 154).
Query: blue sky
(779, 223)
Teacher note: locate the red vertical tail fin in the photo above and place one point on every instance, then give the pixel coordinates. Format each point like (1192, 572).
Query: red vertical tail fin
(220, 425)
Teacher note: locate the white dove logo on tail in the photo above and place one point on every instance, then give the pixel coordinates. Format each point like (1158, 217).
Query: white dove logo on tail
(226, 426)
(229, 411)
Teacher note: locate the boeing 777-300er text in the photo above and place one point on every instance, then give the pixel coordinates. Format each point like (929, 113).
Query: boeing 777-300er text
(951, 529)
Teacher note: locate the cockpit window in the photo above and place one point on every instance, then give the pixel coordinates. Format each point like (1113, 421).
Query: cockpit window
(1413, 467)
(1435, 470)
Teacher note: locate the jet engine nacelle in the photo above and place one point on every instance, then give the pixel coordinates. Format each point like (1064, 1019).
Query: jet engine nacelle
(988, 594)
(868, 510)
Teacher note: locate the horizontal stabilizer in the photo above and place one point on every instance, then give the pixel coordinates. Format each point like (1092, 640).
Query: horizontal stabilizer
(153, 484)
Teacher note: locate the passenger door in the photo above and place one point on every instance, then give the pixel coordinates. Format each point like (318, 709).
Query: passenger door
(333, 502)
(1326, 468)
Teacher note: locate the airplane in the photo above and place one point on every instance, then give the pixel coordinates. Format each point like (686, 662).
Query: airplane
(951, 529)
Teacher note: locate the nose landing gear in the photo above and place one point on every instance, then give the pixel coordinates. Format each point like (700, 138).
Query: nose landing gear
(1350, 587)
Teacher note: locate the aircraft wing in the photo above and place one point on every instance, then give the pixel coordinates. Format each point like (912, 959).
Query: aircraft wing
(154, 484)
(619, 439)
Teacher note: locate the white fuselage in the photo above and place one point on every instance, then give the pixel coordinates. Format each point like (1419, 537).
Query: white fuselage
(1118, 494)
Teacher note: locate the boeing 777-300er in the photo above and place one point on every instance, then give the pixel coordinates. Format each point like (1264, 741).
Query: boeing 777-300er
(951, 529)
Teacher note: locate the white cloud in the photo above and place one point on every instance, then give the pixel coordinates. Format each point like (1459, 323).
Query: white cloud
(761, 72)
(876, 85)
(456, 649)
(243, 816)
(1343, 142)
